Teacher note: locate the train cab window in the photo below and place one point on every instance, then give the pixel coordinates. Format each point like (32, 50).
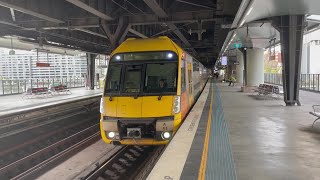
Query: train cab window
(113, 78)
(161, 77)
(132, 79)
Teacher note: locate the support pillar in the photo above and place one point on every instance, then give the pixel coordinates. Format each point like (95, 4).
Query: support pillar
(255, 67)
(240, 67)
(244, 56)
(90, 70)
(291, 29)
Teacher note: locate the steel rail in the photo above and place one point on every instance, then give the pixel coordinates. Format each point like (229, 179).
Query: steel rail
(23, 163)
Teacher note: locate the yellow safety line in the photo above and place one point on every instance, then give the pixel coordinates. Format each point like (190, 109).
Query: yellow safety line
(203, 165)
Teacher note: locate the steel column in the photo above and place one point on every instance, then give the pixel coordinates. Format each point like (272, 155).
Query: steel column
(291, 36)
(90, 70)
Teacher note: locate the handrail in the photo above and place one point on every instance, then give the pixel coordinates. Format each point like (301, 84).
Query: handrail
(309, 82)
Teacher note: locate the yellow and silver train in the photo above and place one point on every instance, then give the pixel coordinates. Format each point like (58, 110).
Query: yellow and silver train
(151, 84)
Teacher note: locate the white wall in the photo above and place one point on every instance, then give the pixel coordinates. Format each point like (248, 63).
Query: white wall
(314, 59)
(304, 59)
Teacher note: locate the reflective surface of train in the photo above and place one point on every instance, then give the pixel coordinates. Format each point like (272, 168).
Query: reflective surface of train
(151, 85)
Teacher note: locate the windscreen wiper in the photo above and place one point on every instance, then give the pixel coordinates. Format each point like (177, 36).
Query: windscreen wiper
(160, 96)
(136, 96)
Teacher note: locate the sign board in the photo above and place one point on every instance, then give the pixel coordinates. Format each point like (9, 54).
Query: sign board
(237, 45)
(224, 60)
(43, 64)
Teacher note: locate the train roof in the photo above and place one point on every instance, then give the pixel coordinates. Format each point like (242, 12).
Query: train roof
(162, 43)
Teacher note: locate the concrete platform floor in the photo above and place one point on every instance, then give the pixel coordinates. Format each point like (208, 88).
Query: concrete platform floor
(16, 102)
(270, 140)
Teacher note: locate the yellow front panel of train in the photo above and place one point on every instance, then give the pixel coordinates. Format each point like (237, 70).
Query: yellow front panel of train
(111, 106)
(154, 107)
(129, 107)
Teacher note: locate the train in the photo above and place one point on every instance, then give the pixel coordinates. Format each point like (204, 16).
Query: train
(150, 86)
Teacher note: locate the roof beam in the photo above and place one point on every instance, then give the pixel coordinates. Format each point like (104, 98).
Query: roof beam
(124, 34)
(12, 14)
(175, 29)
(86, 7)
(156, 8)
(160, 12)
(137, 33)
(71, 28)
(91, 32)
(32, 13)
(194, 4)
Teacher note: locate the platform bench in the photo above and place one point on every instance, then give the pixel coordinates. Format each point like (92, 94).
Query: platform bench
(316, 113)
(60, 89)
(37, 91)
(266, 89)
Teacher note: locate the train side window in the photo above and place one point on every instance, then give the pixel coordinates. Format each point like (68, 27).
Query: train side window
(183, 79)
(196, 65)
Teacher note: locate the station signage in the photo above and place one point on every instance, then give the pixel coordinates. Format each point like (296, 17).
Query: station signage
(237, 45)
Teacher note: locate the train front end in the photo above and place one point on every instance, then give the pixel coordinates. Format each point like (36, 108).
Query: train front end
(141, 101)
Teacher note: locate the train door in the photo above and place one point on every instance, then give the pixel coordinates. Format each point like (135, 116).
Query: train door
(190, 84)
(184, 89)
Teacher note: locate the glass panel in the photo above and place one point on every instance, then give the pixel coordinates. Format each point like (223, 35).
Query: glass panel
(1, 87)
(183, 79)
(7, 86)
(15, 86)
(132, 79)
(113, 78)
(161, 77)
(318, 79)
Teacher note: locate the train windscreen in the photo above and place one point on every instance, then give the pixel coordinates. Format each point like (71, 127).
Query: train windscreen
(160, 78)
(132, 79)
(113, 78)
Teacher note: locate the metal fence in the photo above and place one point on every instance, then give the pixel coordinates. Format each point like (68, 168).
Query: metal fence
(307, 81)
(20, 86)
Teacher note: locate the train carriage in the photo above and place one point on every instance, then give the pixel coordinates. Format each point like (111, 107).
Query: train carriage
(151, 85)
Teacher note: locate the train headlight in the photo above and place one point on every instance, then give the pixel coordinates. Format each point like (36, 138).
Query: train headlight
(102, 103)
(111, 135)
(176, 104)
(166, 135)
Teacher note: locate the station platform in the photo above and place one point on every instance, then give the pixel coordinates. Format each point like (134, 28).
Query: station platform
(233, 135)
(16, 103)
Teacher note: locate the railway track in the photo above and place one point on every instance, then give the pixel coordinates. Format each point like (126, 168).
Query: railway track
(130, 162)
(14, 123)
(27, 152)
(26, 155)
(36, 163)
